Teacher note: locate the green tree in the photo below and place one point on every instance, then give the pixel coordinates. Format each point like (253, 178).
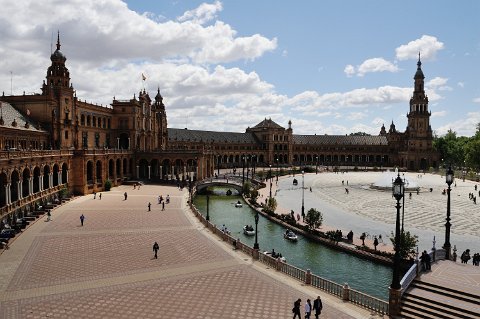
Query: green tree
(247, 187)
(108, 185)
(408, 242)
(271, 205)
(314, 218)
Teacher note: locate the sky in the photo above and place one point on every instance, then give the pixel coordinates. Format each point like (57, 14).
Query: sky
(331, 67)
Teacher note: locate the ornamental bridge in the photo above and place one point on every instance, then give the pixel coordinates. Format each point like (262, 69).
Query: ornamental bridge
(233, 182)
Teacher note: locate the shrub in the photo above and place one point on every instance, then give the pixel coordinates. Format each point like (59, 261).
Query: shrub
(108, 185)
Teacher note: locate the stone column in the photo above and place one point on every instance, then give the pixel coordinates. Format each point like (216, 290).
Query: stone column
(173, 172)
(118, 142)
(184, 175)
(394, 301)
(66, 177)
(30, 185)
(160, 169)
(59, 173)
(138, 172)
(50, 180)
(149, 170)
(308, 277)
(19, 188)
(129, 145)
(346, 292)
(40, 183)
(8, 194)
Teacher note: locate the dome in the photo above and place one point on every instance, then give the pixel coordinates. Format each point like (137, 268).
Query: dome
(57, 55)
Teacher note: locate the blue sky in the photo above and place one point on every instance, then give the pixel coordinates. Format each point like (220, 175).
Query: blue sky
(332, 67)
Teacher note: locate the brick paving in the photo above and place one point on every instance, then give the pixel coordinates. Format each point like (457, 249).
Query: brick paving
(105, 269)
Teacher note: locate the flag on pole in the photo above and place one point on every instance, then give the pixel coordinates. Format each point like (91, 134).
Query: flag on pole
(143, 77)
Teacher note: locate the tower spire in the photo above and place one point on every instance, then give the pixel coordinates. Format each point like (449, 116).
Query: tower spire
(419, 63)
(58, 40)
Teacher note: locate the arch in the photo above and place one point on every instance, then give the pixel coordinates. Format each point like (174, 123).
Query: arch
(89, 120)
(285, 158)
(3, 193)
(124, 141)
(36, 179)
(143, 168)
(64, 173)
(118, 167)
(14, 177)
(89, 172)
(111, 169)
(225, 159)
(237, 158)
(55, 175)
(26, 182)
(230, 159)
(46, 177)
(82, 120)
(166, 166)
(154, 168)
(98, 172)
(94, 121)
(261, 158)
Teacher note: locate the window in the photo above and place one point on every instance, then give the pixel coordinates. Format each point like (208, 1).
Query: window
(66, 135)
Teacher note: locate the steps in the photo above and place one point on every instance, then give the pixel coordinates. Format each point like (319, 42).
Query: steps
(430, 301)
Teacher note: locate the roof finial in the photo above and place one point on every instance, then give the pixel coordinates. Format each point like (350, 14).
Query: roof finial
(58, 40)
(419, 63)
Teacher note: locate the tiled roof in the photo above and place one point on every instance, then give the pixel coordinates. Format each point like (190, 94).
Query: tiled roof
(340, 140)
(11, 114)
(176, 134)
(267, 123)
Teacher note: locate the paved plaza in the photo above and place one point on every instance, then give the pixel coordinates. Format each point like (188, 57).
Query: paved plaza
(365, 209)
(105, 269)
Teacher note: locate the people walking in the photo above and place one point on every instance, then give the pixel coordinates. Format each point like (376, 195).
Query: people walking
(163, 205)
(317, 307)
(149, 206)
(155, 250)
(48, 216)
(125, 195)
(375, 242)
(100, 196)
(296, 309)
(308, 309)
(82, 218)
(94, 195)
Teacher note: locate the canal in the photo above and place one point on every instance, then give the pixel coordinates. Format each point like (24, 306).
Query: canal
(360, 274)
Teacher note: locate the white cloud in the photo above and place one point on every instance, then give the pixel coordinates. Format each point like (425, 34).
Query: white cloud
(438, 83)
(439, 114)
(355, 116)
(376, 65)
(476, 100)
(349, 70)
(464, 127)
(427, 45)
(461, 84)
(204, 13)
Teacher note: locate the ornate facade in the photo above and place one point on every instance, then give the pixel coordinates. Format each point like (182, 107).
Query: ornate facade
(53, 139)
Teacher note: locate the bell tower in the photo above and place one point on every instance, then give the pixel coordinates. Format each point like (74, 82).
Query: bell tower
(161, 121)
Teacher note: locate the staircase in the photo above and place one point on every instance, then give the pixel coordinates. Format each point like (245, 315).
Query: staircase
(430, 301)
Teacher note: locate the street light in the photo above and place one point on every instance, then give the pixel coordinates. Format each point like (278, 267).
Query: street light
(270, 181)
(255, 246)
(218, 165)
(449, 180)
(276, 160)
(243, 170)
(316, 164)
(303, 193)
(398, 192)
(208, 203)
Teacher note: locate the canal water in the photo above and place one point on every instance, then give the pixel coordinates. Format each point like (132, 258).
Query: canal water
(337, 266)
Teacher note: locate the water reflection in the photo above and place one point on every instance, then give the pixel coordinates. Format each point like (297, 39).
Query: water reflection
(328, 263)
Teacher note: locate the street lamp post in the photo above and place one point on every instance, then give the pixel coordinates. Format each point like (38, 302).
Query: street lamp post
(398, 192)
(303, 193)
(247, 159)
(449, 179)
(208, 204)
(276, 160)
(218, 165)
(316, 164)
(255, 246)
(270, 181)
(243, 170)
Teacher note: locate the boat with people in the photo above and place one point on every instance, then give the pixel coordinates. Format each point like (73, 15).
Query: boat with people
(248, 230)
(273, 254)
(290, 235)
(238, 204)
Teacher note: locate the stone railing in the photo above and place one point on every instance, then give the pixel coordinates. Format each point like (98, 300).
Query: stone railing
(344, 292)
(409, 277)
(33, 153)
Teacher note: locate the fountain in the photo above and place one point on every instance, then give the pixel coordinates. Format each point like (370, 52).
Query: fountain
(387, 178)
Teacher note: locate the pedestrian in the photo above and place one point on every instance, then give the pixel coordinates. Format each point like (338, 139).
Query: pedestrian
(317, 306)
(149, 205)
(308, 309)
(82, 218)
(94, 195)
(48, 216)
(375, 242)
(159, 199)
(163, 205)
(134, 185)
(155, 249)
(125, 195)
(427, 261)
(296, 309)
(100, 196)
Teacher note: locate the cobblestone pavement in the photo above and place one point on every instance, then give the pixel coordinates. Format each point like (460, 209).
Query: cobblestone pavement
(367, 209)
(105, 269)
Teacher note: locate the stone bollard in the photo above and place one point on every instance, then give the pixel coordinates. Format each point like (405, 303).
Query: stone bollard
(308, 277)
(255, 254)
(346, 292)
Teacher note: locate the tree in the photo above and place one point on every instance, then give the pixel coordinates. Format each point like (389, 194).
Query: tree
(408, 242)
(314, 219)
(271, 205)
(360, 134)
(247, 186)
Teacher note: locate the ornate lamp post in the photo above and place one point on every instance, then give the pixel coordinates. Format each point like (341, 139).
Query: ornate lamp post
(276, 160)
(449, 179)
(243, 170)
(398, 192)
(303, 193)
(208, 204)
(316, 164)
(255, 246)
(218, 165)
(270, 181)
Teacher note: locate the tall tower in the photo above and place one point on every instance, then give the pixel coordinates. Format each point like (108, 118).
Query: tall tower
(59, 100)
(162, 137)
(419, 132)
